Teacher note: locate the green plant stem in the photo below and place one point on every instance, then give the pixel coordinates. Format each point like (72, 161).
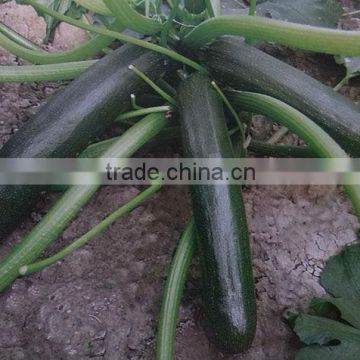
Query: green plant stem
(142, 112)
(318, 140)
(231, 109)
(252, 8)
(122, 37)
(160, 91)
(84, 51)
(174, 286)
(19, 39)
(132, 19)
(103, 225)
(70, 203)
(165, 85)
(169, 135)
(252, 12)
(164, 35)
(53, 72)
(306, 37)
(343, 82)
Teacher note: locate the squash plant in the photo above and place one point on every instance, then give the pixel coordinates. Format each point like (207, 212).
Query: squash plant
(177, 38)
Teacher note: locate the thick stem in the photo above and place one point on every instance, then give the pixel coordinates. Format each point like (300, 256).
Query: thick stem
(174, 286)
(252, 8)
(19, 39)
(50, 72)
(84, 51)
(132, 19)
(305, 37)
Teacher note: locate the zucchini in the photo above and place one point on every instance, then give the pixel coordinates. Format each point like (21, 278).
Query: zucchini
(73, 118)
(223, 240)
(246, 68)
(280, 151)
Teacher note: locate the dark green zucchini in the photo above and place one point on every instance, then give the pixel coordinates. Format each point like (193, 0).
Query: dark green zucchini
(280, 151)
(233, 63)
(223, 241)
(73, 118)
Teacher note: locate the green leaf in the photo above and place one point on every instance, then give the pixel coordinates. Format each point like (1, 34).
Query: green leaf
(75, 11)
(327, 339)
(63, 7)
(59, 5)
(96, 6)
(341, 275)
(324, 13)
(349, 309)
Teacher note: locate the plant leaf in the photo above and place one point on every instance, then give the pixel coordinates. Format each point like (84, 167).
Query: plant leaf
(349, 309)
(75, 11)
(96, 6)
(341, 275)
(61, 6)
(324, 13)
(327, 339)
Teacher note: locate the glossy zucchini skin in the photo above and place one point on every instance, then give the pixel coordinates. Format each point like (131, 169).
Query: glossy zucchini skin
(74, 117)
(244, 67)
(223, 240)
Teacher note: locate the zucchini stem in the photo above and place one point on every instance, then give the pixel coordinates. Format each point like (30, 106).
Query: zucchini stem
(231, 109)
(329, 41)
(19, 39)
(155, 87)
(252, 12)
(48, 72)
(142, 112)
(343, 82)
(134, 103)
(103, 225)
(132, 19)
(252, 8)
(165, 85)
(173, 290)
(84, 51)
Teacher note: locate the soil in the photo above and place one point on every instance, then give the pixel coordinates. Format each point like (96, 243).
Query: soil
(102, 302)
